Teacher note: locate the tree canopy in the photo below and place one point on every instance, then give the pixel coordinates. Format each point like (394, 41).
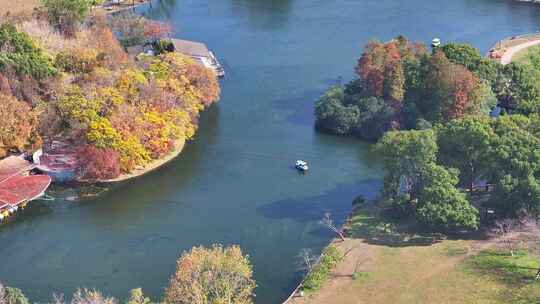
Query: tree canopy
(211, 276)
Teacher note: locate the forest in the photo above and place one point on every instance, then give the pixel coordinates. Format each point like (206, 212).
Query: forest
(65, 75)
(457, 133)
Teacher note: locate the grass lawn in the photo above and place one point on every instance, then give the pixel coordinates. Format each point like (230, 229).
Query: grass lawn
(383, 266)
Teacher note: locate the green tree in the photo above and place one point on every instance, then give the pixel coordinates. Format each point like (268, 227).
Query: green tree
(66, 14)
(405, 154)
(516, 83)
(463, 54)
(465, 144)
(211, 276)
(441, 204)
(515, 167)
(20, 53)
(331, 115)
(375, 117)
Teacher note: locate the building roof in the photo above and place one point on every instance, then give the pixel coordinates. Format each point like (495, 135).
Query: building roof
(19, 189)
(190, 48)
(15, 186)
(13, 165)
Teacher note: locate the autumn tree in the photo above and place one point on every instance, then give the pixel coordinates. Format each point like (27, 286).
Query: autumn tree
(447, 90)
(211, 276)
(381, 67)
(19, 127)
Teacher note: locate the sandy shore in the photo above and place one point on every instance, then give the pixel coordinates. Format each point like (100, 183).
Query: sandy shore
(178, 147)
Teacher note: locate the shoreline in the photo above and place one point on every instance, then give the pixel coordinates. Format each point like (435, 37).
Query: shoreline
(152, 166)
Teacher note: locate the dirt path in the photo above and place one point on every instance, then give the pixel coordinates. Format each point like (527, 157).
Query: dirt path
(511, 51)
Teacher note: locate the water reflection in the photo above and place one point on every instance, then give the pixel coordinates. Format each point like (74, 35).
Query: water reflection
(263, 14)
(160, 9)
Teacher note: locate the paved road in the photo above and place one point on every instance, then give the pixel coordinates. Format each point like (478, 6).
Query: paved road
(510, 52)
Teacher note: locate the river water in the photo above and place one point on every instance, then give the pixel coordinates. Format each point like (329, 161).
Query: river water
(234, 183)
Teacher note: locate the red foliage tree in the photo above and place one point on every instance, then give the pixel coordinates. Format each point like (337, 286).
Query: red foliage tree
(449, 90)
(98, 164)
(381, 68)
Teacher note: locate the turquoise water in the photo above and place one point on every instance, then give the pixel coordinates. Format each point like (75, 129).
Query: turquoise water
(234, 184)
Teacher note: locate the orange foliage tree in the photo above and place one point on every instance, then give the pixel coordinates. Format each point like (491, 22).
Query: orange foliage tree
(19, 127)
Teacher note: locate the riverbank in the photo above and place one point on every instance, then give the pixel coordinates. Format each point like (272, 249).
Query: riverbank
(156, 164)
(380, 256)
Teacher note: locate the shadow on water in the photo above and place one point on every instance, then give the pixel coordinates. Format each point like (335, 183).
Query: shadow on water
(313, 208)
(301, 107)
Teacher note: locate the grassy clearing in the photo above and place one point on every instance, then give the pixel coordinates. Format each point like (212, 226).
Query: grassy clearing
(406, 266)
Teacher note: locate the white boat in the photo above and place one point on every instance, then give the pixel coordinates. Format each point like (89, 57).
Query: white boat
(301, 165)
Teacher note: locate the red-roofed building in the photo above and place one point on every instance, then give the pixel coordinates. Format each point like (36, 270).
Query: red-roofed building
(17, 187)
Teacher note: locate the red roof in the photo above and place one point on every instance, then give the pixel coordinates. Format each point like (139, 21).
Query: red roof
(13, 165)
(15, 187)
(19, 189)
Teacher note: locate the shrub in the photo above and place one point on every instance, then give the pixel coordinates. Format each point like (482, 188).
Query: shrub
(329, 259)
(77, 61)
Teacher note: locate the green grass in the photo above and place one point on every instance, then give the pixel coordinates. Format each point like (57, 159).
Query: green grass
(527, 55)
(516, 273)
(518, 269)
(319, 274)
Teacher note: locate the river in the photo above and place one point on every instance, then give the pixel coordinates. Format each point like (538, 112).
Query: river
(234, 183)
